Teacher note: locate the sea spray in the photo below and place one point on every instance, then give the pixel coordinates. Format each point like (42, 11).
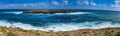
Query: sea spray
(62, 26)
(20, 12)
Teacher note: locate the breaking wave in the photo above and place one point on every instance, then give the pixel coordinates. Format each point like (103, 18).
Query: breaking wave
(73, 13)
(60, 21)
(20, 12)
(62, 26)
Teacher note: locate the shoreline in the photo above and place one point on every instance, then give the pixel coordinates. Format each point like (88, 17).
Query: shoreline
(86, 32)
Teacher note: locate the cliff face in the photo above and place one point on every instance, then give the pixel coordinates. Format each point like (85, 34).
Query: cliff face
(4, 31)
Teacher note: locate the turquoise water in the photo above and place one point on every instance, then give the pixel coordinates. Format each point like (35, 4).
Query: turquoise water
(60, 21)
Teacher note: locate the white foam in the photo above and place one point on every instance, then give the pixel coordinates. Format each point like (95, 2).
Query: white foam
(14, 12)
(80, 13)
(62, 26)
(73, 13)
(84, 25)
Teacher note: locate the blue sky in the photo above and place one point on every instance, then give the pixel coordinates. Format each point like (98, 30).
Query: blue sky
(60, 4)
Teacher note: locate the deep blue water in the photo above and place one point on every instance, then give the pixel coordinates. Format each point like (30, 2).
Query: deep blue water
(66, 21)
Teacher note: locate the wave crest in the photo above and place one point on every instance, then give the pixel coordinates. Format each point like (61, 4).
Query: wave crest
(14, 12)
(62, 26)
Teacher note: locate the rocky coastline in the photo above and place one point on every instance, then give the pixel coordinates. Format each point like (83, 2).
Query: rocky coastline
(8, 31)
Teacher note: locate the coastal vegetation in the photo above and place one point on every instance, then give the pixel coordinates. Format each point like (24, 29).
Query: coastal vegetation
(8, 31)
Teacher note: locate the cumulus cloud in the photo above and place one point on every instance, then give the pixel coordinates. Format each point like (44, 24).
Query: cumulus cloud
(43, 4)
(55, 3)
(79, 2)
(86, 2)
(65, 2)
(25, 5)
(117, 4)
(62, 4)
(93, 3)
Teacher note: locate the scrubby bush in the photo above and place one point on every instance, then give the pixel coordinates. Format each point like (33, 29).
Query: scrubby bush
(11, 34)
(118, 34)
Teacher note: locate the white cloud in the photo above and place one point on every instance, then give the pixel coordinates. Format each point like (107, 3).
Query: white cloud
(79, 2)
(43, 4)
(117, 4)
(31, 4)
(65, 2)
(25, 5)
(93, 3)
(11, 5)
(55, 3)
(86, 2)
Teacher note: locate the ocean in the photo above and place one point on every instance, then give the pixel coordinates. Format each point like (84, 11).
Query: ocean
(60, 21)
